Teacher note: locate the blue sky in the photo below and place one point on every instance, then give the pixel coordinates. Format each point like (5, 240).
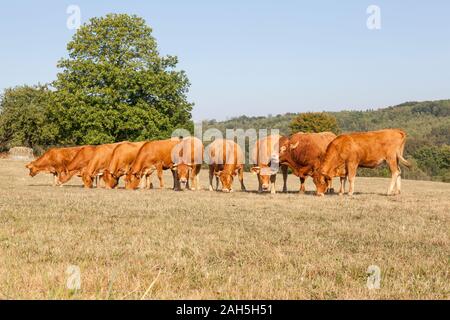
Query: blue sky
(259, 57)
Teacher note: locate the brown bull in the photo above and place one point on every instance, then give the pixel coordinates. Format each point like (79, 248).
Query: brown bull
(302, 152)
(98, 163)
(226, 160)
(367, 150)
(265, 155)
(53, 161)
(78, 163)
(122, 158)
(154, 155)
(188, 158)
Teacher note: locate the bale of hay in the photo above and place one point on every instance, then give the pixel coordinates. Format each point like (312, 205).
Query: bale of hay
(21, 153)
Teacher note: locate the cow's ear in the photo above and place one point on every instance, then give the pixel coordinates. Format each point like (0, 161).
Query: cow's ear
(283, 149)
(217, 173)
(255, 170)
(294, 146)
(174, 167)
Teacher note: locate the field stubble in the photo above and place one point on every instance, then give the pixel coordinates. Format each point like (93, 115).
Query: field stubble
(161, 244)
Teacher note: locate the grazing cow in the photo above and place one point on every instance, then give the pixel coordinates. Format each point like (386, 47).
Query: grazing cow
(121, 160)
(367, 150)
(154, 155)
(78, 164)
(53, 161)
(98, 163)
(302, 152)
(188, 158)
(265, 155)
(226, 160)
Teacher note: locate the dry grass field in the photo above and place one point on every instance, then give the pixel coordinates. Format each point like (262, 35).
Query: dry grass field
(160, 244)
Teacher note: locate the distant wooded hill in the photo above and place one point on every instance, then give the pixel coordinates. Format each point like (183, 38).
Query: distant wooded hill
(426, 123)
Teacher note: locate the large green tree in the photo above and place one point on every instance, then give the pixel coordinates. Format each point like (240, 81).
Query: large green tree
(115, 85)
(314, 122)
(23, 117)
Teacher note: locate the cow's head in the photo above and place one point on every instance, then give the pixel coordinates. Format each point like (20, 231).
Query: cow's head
(226, 178)
(322, 182)
(132, 180)
(285, 150)
(183, 171)
(33, 169)
(111, 181)
(264, 175)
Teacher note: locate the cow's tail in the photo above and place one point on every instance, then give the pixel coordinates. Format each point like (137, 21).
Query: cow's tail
(400, 158)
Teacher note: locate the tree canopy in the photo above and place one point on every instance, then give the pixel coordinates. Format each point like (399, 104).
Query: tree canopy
(23, 117)
(314, 122)
(115, 86)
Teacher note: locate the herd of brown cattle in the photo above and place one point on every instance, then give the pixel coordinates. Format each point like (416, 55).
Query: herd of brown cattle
(321, 156)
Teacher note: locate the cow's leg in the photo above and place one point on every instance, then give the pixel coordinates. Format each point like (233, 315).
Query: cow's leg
(260, 190)
(273, 179)
(351, 172)
(96, 181)
(176, 182)
(159, 170)
(330, 186)
(302, 185)
(241, 178)
(343, 180)
(148, 180)
(398, 185)
(101, 182)
(211, 176)
(196, 177)
(284, 170)
(393, 166)
(55, 179)
(188, 183)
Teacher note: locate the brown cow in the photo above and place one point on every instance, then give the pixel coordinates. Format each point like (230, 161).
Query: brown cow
(154, 155)
(98, 163)
(302, 152)
(188, 158)
(78, 163)
(225, 161)
(121, 160)
(265, 155)
(367, 150)
(53, 161)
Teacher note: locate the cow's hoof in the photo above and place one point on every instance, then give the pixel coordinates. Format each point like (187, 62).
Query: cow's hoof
(320, 195)
(341, 194)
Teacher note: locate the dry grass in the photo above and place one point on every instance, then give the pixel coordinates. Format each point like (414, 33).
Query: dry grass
(162, 244)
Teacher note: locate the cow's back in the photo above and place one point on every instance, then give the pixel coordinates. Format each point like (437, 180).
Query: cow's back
(124, 154)
(266, 148)
(190, 151)
(223, 152)
(310, 147)
(82, 158)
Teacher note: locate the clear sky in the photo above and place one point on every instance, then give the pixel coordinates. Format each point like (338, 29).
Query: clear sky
(259, 57)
